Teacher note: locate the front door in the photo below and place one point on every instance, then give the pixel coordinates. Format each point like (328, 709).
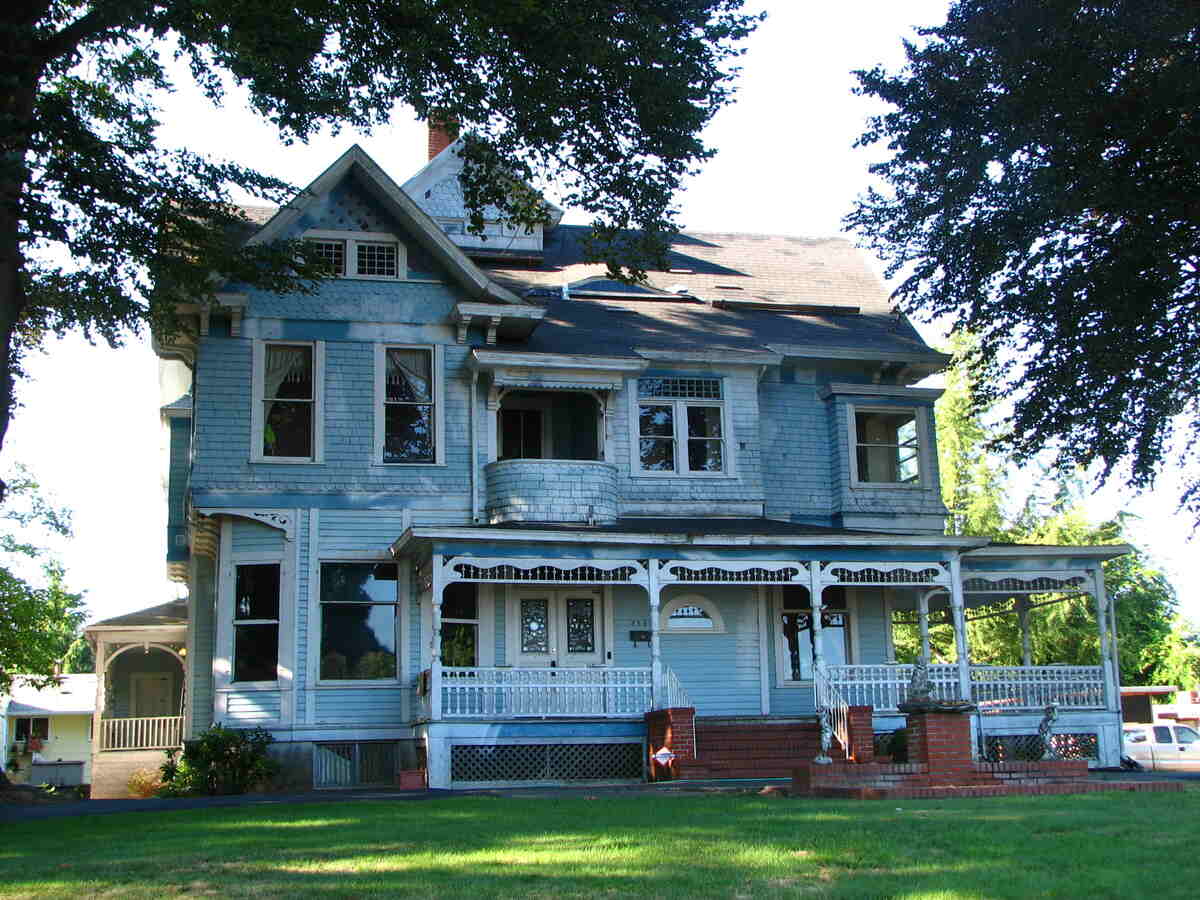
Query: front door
(151, 693)
(563, 628)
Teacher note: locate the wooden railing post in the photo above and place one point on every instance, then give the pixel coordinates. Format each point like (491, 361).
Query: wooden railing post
(656, 675)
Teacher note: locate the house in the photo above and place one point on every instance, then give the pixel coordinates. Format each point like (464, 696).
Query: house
(47, 732)
(477, 508)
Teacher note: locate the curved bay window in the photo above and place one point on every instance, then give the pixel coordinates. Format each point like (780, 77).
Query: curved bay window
(794, 633)
(548, 425)
(358, 622)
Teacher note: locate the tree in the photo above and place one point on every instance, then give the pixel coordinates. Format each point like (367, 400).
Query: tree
(37, 622)
(984, 500)
(102, 229)
(1041, 194)
(79, 659)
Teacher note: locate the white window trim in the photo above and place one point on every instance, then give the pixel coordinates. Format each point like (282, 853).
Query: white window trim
(507, 402)
(257, 386)
(439, 405)
(709, 606)
(783, 669)
(924, 469)
(681, 470)
(315, 635)
(485, 626)
(352, 239)
(226, 586)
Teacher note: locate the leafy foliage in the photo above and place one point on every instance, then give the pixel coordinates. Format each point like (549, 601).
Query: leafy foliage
(983, 500)
(102, 229)
(219, 761)
(37, 622)
(1041, 195)
(80, 658)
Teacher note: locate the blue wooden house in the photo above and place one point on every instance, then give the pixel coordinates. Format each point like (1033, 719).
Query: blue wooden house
(474, 507)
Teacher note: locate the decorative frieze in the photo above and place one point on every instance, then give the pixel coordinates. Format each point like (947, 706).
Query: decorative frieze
(681, 571)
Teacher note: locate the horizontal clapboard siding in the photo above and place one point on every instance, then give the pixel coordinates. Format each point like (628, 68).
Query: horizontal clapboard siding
(254, 537)
(363, 706)
(252, 707)
(719, 671)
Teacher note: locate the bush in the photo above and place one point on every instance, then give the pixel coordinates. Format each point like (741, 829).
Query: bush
(219, 761)
(144, 783)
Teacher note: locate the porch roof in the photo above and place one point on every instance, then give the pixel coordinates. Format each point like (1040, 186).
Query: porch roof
(174, 612)
(690, 532)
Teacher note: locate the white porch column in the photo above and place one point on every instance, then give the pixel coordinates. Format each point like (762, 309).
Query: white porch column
(1109, 662)
(101, 699)
(435, 649)
(923, 622)
(957, 607)
(653, 591)
(814, 602)
(1026, 638)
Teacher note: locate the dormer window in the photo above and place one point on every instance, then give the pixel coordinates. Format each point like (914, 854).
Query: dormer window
(360, 254)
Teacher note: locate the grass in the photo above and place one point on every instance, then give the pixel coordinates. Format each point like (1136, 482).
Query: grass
(621, 845)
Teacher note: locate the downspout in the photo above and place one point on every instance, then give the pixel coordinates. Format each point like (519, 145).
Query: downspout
(474, 445)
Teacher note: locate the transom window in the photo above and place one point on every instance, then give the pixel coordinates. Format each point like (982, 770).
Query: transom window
(256, 622)
(681, 426)
(409, 405)
(358, 621)
(287, 401)
(692, 614)
(887, 446)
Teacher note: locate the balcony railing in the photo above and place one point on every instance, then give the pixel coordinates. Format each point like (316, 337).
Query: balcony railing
(995, 688)
(507, 693)
(142, 733)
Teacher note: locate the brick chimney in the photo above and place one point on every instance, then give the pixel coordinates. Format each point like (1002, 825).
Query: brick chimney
(441, 135)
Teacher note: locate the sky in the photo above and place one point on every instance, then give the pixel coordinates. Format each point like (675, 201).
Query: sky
(89, 429)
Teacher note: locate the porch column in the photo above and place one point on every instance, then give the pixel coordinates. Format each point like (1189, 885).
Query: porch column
(1026, 639)
(957, 607)
(814, 602)
(435, 651)
(101, 699)
(1109, 662)
(653, 591)
(923, 622)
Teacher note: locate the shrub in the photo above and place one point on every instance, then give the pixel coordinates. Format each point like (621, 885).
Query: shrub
(144, 783)
(219, 761)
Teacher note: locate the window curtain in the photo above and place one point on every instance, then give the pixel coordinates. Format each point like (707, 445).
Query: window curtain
(283, 363)
(408, 375)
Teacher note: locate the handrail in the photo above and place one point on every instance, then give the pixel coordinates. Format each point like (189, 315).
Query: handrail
(832, 703)
(677, 695)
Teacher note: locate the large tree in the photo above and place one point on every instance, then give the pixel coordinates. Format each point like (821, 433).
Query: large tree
(1041, 193)
(101, 227)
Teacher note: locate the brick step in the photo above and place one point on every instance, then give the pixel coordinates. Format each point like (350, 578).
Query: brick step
(743, 772)
(757, 729)
(732, 743)
(765, 759)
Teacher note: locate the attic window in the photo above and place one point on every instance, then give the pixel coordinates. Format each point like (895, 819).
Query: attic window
(333, 254)
(376, 258)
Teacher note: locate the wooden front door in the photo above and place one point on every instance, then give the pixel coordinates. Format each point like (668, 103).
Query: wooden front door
(562, 627)
(151, 694)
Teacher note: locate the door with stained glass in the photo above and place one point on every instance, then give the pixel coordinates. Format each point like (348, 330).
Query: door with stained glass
(557, 628)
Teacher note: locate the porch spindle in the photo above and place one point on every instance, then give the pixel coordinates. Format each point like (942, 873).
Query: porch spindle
(960, 629)
(1109, 664)
(657, 700)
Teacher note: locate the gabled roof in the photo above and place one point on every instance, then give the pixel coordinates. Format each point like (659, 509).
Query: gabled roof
(75, 694)
(475, 282)
(173, 613)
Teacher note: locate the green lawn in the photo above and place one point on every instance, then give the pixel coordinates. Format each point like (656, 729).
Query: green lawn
(654, 845)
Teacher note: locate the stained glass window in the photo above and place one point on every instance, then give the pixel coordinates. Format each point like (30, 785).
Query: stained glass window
(581, 625)
(535, 625)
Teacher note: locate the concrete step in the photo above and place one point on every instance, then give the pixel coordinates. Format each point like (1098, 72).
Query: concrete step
(111, 770)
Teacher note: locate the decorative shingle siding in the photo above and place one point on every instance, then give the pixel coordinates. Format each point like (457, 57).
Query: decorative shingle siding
(539, 490)
(200, 658)
(254, 537)
(796, 447)
(303, 587)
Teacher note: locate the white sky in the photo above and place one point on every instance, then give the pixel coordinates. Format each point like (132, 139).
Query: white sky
(90, 428)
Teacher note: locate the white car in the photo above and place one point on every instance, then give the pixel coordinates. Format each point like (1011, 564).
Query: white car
(1163, 746)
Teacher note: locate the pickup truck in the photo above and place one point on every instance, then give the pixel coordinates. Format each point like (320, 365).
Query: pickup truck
(1163, 746)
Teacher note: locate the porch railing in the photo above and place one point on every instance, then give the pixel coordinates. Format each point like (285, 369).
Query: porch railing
(996, 689)
(141, 733)
(830, 698)
(480, 692)
(677, 696)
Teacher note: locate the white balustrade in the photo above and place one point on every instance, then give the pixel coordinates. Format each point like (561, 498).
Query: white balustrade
(141, 733)
(506, 693)
(994, 688)
(830, 698)
(677, 696)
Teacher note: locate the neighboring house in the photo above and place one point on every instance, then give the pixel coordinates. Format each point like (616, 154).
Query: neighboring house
(475, 506)
(47, 732)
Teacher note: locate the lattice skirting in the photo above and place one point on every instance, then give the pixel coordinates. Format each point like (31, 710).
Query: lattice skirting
(489, 764)
(1022, 747)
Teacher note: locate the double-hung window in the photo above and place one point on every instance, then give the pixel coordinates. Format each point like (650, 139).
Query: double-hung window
(887, 446)
(408, 417)
(681, 426)
(359, 612)
(285, 417)
(256, 622)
